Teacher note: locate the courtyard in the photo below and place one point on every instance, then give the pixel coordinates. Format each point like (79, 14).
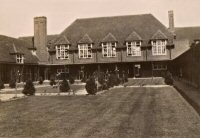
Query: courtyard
(120, 112)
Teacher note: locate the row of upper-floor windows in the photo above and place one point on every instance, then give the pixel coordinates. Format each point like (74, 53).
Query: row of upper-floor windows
(109, 49)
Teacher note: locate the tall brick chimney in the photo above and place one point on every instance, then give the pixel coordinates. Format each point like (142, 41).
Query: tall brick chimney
(40, 38)
(171, 21)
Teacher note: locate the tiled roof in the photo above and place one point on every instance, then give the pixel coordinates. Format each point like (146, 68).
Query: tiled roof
(10, 46)
(109, 38)
(30, 39)
(189, 33)
(184, 38)
(85, 39)
(133, 36)
(159, 35)
(119, 26)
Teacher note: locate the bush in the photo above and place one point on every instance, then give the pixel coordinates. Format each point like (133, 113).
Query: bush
(64, 87)
(52, 82)
(29, 88)
(101, 78)
(113, 80)
(91, 86)
(169, 79)
(12, 83)
(41, 80)
(71, 80)
(1, 84)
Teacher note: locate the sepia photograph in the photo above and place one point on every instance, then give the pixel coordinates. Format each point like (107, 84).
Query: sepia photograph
(99, 69)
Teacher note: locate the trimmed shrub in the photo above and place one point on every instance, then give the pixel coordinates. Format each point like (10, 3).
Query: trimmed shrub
(64, 87)
(12, 83)
(1, 84)
(101, 78)
(40, 81)
(91, 86)
(84, 79)
(113, 80)
(169, 79)
(52, 82)
(29, 88)
(71, 80)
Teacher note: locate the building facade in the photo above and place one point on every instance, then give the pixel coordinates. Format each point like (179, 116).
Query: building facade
(138, 45)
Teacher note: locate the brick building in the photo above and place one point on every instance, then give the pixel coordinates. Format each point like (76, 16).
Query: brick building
(139, 45)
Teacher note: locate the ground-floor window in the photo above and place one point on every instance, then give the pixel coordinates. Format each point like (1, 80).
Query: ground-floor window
(64, 70)
(159, 66)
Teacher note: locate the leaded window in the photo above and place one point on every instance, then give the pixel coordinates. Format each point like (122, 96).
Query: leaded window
(109, 49)
(159, 47)
(133, 48)
(85, 50)
(62, 51)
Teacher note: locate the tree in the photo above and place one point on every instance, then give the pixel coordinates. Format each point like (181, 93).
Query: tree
(91, 86)
(64, 87)
(29, 88)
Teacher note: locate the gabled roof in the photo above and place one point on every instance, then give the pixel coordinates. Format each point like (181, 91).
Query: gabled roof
(30, 39)
(119, 26)
(185, 36)
(10, 45)
(85, 39)
(159, 35)
(109, 38)
(133, 36)
(62, 40)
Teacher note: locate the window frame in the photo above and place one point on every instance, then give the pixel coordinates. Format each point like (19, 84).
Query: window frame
(158, 46)
(86, 51)
(133, 48)
(19, 58)
(62, 52)
(109, 49)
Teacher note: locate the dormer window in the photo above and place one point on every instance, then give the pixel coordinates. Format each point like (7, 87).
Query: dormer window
(109, 49)
(159, 47)
(19, 58)
(62, 51)
(133, 48)
(85, 50)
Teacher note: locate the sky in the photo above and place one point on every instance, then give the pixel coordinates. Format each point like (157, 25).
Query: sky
(16, 16)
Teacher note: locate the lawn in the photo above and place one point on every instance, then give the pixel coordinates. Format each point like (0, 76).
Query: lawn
(118, 113)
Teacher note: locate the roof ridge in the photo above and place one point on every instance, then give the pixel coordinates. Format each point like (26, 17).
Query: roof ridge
(115, 16)
(186, 27)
